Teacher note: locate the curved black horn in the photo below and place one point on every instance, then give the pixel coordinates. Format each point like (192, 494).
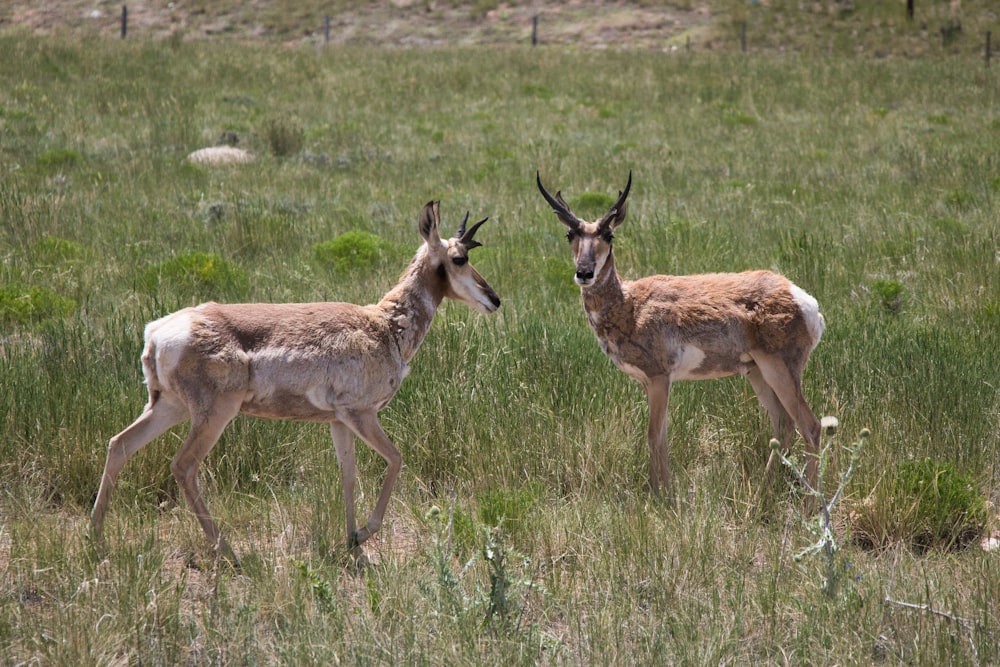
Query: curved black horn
(461, 228)
(623, 195)
(559, 207)
(616, 213)
(465, 237)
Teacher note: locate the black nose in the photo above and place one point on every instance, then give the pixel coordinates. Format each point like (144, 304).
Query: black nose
(584, 275)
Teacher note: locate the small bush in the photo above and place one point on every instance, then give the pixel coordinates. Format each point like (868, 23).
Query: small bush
(58, 158)
(889, 294)
(737, 118)
(925, 505)
(596, 203)
(284, 136)
(27, 305)
(950, 226)
(195, 272)
(56, 250)
(508, 509)
(352, 250)
(960, 200)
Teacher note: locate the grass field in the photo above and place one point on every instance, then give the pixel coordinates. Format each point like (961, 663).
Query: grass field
(521, 531)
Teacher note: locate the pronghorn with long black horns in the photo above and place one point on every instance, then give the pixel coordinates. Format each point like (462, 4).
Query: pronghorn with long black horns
(660, 329)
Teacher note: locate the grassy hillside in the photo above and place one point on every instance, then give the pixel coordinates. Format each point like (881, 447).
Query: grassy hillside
(521, 531)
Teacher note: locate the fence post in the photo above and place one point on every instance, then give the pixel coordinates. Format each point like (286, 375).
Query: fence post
(326, 29)
(124, 20)
(909, 9)
(989, 36)
(743, 37)
(534, 30)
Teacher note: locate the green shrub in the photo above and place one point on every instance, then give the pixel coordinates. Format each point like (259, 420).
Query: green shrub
(960, 200)
(195, 272)
(924, 505)
(950, 226)
(58, 158)
(56, 250)
(508, 509)
(352, 250)
(592, 203)
(889, 294)
(26, 305)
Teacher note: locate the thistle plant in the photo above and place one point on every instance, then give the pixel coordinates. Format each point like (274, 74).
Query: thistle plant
(500, 600)
(821, 526)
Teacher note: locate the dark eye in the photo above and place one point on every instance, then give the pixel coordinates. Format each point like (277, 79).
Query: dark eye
(570, 235)
(459, 261)
(608, 237)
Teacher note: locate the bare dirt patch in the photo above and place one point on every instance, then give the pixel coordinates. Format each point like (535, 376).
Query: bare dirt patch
(388, 23)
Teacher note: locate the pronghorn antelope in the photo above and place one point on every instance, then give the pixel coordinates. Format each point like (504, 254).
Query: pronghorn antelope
(323, 362)
(665, 328)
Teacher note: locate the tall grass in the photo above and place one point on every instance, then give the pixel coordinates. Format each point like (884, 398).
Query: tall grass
(872, 185)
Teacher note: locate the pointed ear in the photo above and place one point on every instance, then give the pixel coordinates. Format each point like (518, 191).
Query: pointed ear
(617, 216)
(430, 217)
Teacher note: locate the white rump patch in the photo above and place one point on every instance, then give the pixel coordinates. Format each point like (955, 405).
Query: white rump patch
(810, 311)
(168, 338)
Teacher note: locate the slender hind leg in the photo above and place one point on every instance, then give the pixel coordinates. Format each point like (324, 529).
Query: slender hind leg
(159, 415)
(787, 386)
(782, 424)
(206, 427)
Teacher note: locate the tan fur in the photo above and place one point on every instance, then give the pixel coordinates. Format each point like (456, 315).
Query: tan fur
(331, 362)
(661, 329)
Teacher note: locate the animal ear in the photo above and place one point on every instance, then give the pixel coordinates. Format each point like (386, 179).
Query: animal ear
(430, 217)
(617, 215)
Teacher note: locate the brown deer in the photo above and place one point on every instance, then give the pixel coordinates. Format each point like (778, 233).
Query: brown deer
(337, 363)
(665, 328)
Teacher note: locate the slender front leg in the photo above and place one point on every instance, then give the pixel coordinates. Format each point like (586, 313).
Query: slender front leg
(367, 427)
(658, 393)
(343, 444)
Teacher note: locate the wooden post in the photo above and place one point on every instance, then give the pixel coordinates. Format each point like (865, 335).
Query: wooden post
(743, 37)
(124, 20)
(989, 36)
(326, 29)
(534, 30)
(909, 9)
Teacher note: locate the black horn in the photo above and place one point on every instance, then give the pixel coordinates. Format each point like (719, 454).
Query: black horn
(465, 237)
(616, 214)
(558, 205)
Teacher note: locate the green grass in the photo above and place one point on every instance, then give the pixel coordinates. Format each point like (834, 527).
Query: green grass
(521, 531)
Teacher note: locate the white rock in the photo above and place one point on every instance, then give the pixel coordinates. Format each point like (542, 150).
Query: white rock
(220, 155)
